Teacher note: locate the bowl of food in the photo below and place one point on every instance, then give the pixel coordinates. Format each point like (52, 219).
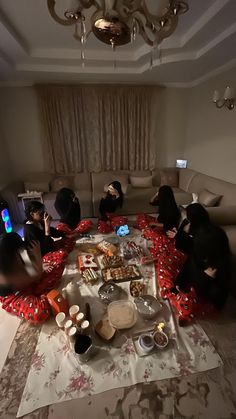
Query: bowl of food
(148, 306)
(109, 292)
(136, 288)
(161, 340)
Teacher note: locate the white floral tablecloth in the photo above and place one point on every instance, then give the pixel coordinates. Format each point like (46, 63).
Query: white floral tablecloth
(56, 374)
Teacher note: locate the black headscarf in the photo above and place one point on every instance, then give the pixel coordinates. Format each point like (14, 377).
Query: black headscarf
(67, 207)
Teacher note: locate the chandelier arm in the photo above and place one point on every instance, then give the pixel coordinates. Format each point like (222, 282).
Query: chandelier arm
(172, 26)
(77, 37)
(145, 36)
(58, 19)
(87, 4)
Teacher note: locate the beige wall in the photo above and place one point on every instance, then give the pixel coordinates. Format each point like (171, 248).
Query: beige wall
(19, 115)
(19, 119)
(6, 170)
(210, 142)
(171, 125)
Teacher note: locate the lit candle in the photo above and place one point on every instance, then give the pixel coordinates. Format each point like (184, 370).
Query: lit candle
(216, 96)
(227, 94)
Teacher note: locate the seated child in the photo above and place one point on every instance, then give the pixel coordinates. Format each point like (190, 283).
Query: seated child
(23, 284)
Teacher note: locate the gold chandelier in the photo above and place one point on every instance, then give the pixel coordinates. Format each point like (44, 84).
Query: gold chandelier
(118, 22)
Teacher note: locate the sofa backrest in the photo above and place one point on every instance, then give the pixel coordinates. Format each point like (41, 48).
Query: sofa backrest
(82, 182)
(227, 190)
(185, 178)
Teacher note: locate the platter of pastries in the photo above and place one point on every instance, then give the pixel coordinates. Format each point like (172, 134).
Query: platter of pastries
(112, 261)
(121, 274)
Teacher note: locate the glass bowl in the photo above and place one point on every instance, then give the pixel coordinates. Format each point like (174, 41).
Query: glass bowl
(147, 306)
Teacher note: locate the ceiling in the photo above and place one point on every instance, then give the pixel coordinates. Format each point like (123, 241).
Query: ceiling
(34, 48)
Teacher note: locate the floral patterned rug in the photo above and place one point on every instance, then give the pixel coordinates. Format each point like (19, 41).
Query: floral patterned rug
(55, 369)
(208, 394)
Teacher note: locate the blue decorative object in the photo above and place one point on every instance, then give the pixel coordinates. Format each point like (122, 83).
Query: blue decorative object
(6, 220)
(122, 230)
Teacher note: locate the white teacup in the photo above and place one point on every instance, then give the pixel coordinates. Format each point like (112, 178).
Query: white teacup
(73, 311)
(60, 319)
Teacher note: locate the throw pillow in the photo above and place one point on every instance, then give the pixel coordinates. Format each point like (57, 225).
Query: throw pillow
(169, 176)
(208, 199)
(141, 182)
(62, 182)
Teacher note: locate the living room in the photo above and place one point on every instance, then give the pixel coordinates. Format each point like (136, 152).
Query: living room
(180, 93)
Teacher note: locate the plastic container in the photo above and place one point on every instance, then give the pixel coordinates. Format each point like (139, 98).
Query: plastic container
(122, 314)
(147, 306)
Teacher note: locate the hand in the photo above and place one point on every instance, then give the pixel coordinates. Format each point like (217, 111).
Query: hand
(47, 222)
(34, 250)
(211, 272)
(172, 233)
(47, 267)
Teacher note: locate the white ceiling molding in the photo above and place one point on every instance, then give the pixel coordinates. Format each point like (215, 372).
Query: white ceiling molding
(214, 73)
(191, 50)
(208, 15)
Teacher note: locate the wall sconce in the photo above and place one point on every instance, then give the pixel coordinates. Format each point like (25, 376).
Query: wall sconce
(227, 100)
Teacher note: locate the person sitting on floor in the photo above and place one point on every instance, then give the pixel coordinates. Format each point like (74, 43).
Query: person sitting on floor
(168, 214)
(196, 218)
(168, 211)
(112, 200)
(68, 207)
(23, 283)
(38, 227)
(202, 285)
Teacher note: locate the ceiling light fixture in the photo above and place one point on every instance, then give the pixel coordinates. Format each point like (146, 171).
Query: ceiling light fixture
(118, 22)
(227, 100)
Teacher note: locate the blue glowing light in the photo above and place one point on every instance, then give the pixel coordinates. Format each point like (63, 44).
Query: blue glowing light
(6, 220)
(122, 230)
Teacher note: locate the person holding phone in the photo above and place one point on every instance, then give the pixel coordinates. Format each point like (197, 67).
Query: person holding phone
(38, 227)
(111, 201)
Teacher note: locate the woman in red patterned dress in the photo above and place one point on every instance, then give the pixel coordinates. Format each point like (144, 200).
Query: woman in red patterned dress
(23, 283)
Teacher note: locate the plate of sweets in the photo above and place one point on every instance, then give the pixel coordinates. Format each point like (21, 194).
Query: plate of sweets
(130, 250)
(107, 248)
(136, 288)
(87, 261)
(121, 274)
(90, 248)
(112, 261)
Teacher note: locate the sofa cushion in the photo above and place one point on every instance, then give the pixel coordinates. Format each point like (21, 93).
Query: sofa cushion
(82, 181)
(169, 176)
(208, 199)
(141, 182)
(140, 173)
(185, 178)
(62, 182)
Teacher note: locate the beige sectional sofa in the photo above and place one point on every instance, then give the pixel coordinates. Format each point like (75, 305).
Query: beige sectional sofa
(139, 186)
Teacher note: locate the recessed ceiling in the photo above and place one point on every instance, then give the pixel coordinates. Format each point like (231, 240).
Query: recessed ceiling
(34, 48)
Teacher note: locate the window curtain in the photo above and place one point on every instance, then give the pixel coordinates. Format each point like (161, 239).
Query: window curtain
(95, 128)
